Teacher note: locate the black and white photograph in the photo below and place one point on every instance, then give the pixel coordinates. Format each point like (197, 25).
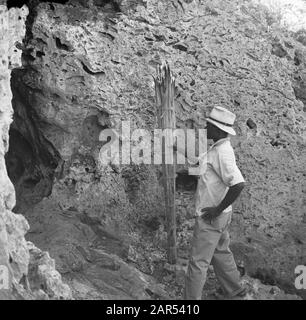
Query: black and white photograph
(153, 150)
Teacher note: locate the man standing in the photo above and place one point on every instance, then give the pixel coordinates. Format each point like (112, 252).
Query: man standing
(220, 183)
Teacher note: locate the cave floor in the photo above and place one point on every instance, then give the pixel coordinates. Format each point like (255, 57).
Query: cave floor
(98, 264)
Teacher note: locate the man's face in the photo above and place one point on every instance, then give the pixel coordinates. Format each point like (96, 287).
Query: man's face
(211, 131)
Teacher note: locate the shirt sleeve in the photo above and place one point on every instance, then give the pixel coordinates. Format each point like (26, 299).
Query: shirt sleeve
(229, 171)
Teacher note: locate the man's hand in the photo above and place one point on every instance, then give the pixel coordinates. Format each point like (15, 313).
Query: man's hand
(210, 213)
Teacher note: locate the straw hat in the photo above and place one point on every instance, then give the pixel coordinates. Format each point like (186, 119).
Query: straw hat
(223, 119)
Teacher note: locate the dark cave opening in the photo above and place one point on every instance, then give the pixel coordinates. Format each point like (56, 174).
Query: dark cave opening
(185, 182)
(16, 3)
(111, 4)
(105, 4)
(31, 159)
(20, 3)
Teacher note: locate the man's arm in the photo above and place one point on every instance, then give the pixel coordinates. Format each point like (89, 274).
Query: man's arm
(232, 194)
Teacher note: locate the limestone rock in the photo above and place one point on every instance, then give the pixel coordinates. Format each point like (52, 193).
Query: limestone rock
(42, 275)
(255, 291)
(115, 279)
(258, 291)
(14, 251)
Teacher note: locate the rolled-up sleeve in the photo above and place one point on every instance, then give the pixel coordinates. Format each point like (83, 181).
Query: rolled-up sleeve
(229, 171)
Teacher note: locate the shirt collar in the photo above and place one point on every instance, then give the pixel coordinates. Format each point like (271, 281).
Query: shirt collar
(220, 141)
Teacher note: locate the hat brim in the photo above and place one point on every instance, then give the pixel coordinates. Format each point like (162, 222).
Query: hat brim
(227, 129)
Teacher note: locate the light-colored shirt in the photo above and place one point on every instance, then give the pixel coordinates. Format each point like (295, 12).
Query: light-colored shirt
(217, 171)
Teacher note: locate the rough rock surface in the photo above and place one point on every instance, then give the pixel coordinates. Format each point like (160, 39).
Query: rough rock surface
(23, 263)
(92, 253)
(88, 67)
(256, 290)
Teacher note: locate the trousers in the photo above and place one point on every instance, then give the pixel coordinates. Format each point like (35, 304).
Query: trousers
(210, 245)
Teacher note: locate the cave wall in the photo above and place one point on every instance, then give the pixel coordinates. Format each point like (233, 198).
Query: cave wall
(31, 272)
(14, 253)
(89, 67)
